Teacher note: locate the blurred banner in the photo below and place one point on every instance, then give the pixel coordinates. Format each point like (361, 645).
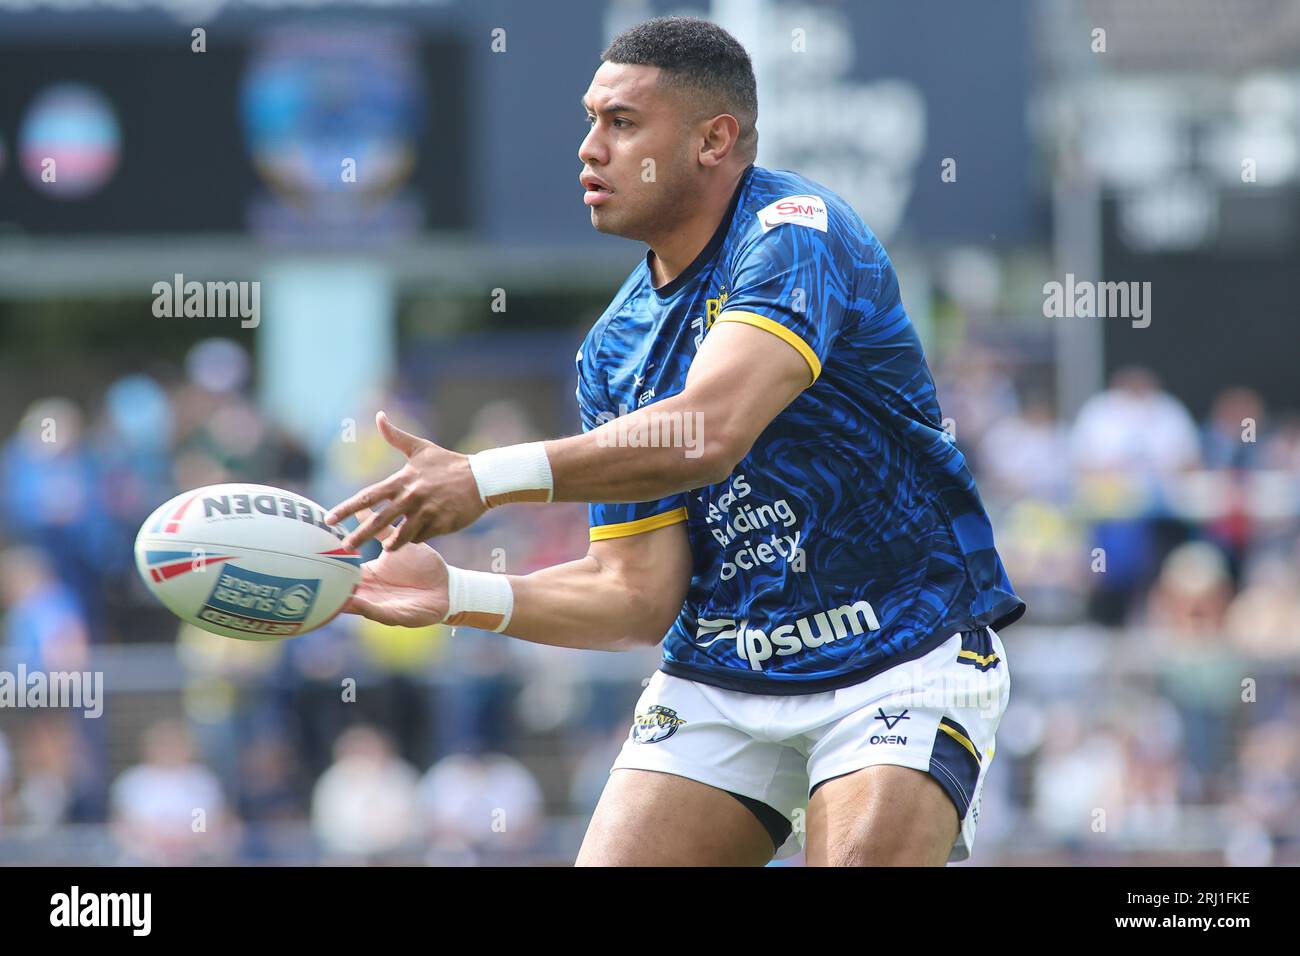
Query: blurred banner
(285, 133)
(256, 131)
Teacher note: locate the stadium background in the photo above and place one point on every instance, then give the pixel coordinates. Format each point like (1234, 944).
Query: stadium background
(1143, 482)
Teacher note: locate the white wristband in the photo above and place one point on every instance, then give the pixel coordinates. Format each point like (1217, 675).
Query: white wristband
(479, 599)
(514, 473)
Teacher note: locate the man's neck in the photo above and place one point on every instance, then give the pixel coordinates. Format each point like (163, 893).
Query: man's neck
(670, 255)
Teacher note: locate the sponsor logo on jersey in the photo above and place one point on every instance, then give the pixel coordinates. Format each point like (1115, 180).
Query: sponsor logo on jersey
(259, 603)
(755, 646)
(654, 724)
(800, 210)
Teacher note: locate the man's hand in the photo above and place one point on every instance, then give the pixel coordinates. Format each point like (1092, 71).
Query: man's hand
(408, 588)
(435, 492)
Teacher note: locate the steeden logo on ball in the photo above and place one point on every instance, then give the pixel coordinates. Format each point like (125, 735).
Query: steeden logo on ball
(246, 561)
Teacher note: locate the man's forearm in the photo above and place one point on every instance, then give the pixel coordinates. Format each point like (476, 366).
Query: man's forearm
(651, 453)
(586, 605)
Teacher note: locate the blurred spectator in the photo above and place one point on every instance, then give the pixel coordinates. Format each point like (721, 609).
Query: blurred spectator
(169, 809)
(1281, 446)
(268, 796)
(1191, 595)
(1236, 414)
(976, 393)
(44, 625)
(57, 774)
(1045, 553)
(226, 695)
(134, 447)
(1024, 454)
(481, 802)
(1134, 427)
(400, 702)
(1268, 783)
(1078, 779)
(364, 807)
(309, 682)
(1262, 618)
(1152, 738)
(1199, 667)
(1126, 444)
(51, 497)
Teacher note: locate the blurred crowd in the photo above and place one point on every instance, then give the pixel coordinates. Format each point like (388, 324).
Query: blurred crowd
(1153, 701)
(1158, 555)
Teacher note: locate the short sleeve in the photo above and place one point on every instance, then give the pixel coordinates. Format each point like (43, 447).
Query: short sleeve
(794, 282)
(618, 520)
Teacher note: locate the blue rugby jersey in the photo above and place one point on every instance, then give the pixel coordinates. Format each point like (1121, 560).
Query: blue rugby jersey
(851, 536)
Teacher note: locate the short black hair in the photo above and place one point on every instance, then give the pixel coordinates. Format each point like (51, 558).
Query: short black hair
(700, 56)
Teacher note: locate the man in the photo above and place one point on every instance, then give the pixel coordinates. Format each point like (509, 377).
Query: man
(806, 543)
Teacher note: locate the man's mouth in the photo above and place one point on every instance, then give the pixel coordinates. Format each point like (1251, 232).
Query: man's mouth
(597, 192)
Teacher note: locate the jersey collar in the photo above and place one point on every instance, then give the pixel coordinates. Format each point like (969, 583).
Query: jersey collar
(668, 290)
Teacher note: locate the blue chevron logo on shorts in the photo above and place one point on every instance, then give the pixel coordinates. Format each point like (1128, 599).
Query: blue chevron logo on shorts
(890, 719)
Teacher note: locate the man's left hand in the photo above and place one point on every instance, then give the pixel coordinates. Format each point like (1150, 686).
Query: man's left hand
(435, 492)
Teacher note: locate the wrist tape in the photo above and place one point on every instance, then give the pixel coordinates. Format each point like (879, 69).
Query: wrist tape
(479, 599)
(513, 473)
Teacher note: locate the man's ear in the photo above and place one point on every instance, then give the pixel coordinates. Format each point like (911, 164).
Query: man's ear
(721, 133)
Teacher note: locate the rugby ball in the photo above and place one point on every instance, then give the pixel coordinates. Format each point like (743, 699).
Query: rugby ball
(247, 561)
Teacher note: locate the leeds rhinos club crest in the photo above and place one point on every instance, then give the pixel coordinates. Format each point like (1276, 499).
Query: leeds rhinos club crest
(655, 724)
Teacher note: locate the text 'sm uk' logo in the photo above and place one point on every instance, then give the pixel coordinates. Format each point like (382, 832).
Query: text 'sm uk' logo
(801, 210)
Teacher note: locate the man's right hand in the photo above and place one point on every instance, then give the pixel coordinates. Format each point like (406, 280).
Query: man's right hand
(407, 587)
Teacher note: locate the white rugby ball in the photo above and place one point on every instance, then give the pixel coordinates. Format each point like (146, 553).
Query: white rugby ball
(247, 561)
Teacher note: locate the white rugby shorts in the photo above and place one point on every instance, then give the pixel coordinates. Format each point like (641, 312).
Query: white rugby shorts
(937, 714)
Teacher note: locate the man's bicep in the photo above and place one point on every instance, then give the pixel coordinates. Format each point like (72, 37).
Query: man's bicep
(743, 377)
(656, 563)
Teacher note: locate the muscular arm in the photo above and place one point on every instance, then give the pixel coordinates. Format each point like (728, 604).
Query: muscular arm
(741, 378)
(625, 593)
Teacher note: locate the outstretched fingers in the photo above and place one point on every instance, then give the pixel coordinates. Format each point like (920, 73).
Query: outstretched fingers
(384, 490)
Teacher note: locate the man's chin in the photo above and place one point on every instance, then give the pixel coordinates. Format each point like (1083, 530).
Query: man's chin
(610, 225)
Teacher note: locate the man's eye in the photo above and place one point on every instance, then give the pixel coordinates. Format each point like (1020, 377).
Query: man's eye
(620, 120)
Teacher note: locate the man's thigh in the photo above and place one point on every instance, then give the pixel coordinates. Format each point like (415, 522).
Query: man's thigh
(648, 818)
(897, 776)
(884, 815)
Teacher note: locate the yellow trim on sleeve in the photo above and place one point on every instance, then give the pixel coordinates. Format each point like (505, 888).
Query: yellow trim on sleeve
(623, 529)
(780, 331)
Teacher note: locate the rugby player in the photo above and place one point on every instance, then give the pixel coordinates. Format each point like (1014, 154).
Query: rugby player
(809, 547)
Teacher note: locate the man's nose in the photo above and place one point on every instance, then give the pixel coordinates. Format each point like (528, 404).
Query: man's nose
(590, 150)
